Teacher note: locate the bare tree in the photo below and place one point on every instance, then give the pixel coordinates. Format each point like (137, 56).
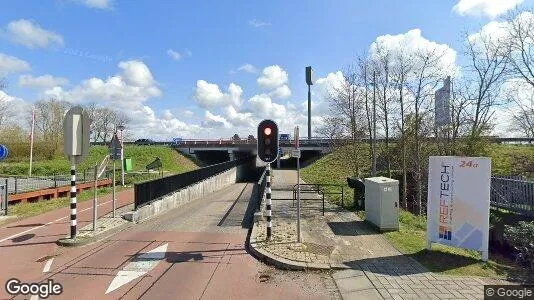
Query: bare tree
(49, 120)
(104, 122)
(346, 102)
(425, 75)
(401, 71)
(488, 59)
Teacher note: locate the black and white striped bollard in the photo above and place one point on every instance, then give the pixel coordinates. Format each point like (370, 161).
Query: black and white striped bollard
(73, 201)
(268, 201)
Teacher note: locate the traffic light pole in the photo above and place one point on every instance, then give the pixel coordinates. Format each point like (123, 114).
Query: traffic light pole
(268, 202)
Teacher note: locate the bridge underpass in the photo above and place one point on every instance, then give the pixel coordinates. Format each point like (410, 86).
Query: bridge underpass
(195, 251)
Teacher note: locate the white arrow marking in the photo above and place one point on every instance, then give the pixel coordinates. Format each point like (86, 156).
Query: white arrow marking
(140, 265)
(48, 265)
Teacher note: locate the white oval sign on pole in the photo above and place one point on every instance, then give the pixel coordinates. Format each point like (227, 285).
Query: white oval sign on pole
(76, 126)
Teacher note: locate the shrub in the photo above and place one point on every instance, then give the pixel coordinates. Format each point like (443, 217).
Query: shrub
(521, 237)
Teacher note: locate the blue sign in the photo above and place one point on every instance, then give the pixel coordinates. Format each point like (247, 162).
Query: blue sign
(177, 140)
(3, 152)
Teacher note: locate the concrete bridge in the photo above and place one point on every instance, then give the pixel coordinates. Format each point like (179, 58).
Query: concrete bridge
(235, 148)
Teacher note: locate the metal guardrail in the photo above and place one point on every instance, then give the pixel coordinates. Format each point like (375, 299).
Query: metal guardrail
(313, 188)
(148, 191)
(19, 184)
(512, 194)
(3, 198)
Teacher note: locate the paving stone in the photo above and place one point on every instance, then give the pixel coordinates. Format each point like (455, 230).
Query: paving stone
(347, 274)
(369, 294)
(351, 284)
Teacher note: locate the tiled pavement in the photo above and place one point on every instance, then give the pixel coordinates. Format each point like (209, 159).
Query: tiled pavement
(340, 239)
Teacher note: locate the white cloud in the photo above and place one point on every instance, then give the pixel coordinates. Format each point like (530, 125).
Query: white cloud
(248, 68)
(281, 92)
(146, 124)
(31, 35)
(272, 77)
(11, 64)
(100, 4)
(209, 95)
(177, 55)
(18, 108)
(239, 119)
(490, 8)
(263, 106)
(41, 82)
(136, 73)
(132, 86)
(174, 55)
(215, 121)
(258, 23)
(188, 113)
(410, 43)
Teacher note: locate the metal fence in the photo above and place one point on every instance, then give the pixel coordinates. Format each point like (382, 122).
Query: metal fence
(148, 191)
(513, 194)
(20, 184)
(3, 198)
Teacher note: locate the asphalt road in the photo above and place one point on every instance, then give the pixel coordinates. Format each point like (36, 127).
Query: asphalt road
(193, 252)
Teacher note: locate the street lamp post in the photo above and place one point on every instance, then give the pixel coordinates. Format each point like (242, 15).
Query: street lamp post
(309, 82)
(121, 128)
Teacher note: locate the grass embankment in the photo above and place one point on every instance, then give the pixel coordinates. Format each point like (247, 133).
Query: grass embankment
(173, 163)
(411, 238)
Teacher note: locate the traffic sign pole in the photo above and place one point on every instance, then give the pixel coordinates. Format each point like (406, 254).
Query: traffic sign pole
(73, 199)
(113, 214)
(298, 183)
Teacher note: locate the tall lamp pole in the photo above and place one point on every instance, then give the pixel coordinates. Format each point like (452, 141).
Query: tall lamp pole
(121, 128)
(309, 81)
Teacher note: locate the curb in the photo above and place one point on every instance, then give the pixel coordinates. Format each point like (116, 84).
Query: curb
(68, 242)
(287, 264)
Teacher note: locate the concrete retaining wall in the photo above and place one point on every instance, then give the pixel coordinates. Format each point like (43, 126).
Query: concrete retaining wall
(186, 195)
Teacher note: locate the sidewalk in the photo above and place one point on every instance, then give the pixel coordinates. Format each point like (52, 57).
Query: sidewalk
(374, 269)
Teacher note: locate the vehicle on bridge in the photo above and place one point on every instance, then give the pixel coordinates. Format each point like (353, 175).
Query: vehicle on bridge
(144, 142)
(285, 136)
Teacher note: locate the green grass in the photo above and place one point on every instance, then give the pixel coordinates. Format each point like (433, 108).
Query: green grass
(172, 161)
(24, 210)
(411, 238)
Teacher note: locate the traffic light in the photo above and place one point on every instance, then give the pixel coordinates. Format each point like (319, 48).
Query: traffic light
(268, 141)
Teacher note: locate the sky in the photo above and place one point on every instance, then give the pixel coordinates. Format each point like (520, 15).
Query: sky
(209, 69)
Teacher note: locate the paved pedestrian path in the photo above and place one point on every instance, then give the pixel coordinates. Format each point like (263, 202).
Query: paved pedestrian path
(374, 269)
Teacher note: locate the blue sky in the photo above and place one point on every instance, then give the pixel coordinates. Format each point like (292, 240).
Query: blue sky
(76, 40)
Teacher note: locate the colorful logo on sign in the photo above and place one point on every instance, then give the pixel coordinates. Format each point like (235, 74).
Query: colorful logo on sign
(445, 199)
(445, 233)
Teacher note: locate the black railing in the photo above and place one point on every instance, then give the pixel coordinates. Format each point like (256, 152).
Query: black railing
(148, 191)
(513, 194)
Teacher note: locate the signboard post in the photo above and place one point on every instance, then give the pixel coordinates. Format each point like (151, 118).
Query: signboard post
(76, 126)
(115, 153)
(459, 202)
(296, 153)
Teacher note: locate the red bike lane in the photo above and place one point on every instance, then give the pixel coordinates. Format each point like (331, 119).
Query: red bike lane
(26, 245)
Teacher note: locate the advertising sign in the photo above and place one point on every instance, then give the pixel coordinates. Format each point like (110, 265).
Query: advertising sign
(459, 202)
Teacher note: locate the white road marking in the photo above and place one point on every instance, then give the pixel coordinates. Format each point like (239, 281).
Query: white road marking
(140, 265)
(48, 265)
(34, 297)
(37, 227)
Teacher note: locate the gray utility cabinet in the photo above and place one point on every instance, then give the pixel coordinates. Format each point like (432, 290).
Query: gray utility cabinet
(382, 202)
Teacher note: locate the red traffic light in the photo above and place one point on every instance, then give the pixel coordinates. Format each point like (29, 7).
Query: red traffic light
(267, 130)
